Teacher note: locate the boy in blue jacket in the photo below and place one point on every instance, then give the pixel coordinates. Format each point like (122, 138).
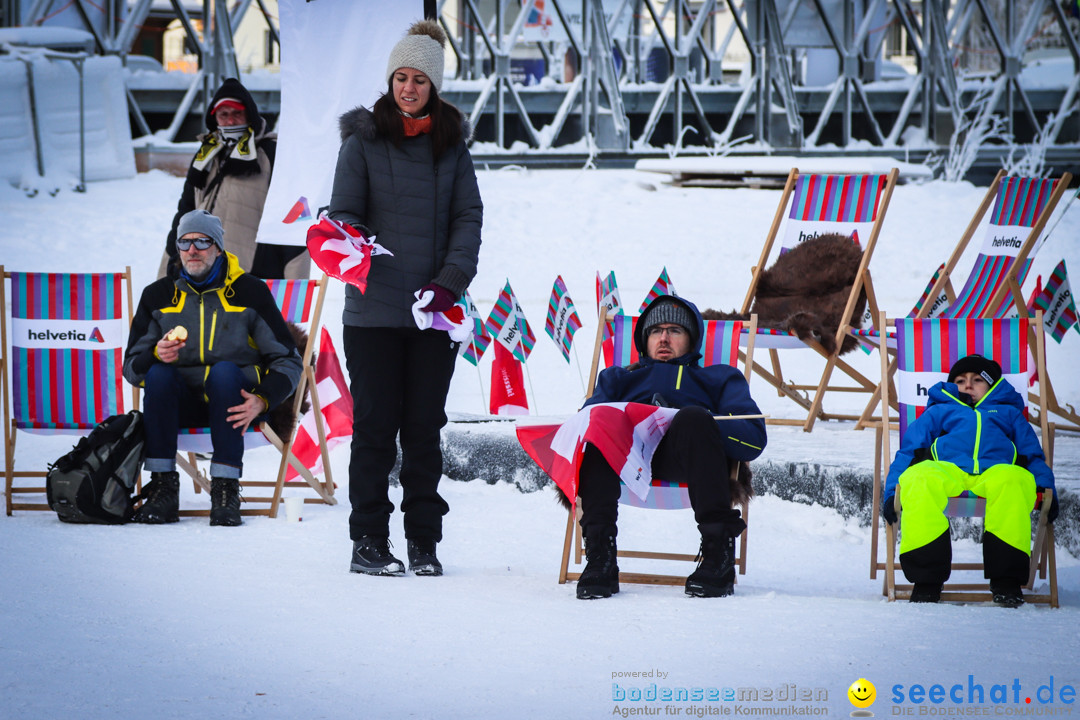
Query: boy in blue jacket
(973, 436)
(696, 448)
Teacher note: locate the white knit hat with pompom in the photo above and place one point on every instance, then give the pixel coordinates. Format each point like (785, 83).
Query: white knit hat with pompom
(421, 49)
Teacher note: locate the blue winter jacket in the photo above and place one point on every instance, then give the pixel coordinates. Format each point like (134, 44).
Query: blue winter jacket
(681, 382)
(992, 432)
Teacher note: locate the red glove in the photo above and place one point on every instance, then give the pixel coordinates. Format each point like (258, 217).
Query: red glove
(441, 301)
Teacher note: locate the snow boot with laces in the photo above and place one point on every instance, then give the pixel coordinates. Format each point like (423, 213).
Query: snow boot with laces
(715, 573)
(225, 502)
(422, 559)
(161, 500)
(371, 556)
(600, 578)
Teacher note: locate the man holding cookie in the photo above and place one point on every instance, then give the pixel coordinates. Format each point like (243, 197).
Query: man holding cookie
(211, 348)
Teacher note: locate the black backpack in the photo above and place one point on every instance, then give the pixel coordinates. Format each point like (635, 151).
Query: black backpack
(94, 482)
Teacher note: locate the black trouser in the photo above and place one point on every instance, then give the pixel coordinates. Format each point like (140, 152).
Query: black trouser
(932, 563)
(691, 452)
(399, 379)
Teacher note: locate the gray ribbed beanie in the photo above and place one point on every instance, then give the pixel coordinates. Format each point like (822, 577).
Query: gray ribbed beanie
(421, 49)
(668, 311)
(200, 221)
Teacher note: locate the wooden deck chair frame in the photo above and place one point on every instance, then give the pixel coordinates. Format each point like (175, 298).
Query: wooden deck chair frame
(324, 489)
(11, 475)
(573, 541)
(1009, 288)
(1043, 562)
(800, 394)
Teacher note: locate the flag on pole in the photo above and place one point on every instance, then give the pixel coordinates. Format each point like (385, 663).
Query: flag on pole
(662, 286)
(508, 325)
(1056, 302)
(507, 384)
(1034, 376)
(342, 251)
(474, 349)
(337, 411)
(562, 318)
(607, 298)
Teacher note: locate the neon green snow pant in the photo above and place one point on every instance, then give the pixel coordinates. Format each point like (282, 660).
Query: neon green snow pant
(925, 489)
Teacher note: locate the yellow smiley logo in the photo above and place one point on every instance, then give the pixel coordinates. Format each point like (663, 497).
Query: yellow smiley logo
(862, 693)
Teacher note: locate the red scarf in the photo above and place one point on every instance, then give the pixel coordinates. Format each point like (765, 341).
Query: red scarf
(416, 126)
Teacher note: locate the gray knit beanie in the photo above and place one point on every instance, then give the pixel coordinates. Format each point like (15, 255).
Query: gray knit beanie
(200, 221)
(667, 311)
(421, 49)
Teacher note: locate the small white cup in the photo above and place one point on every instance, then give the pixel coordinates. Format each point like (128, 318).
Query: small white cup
(294, 508)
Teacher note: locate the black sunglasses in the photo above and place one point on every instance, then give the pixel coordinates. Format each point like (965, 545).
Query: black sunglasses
(199, 243)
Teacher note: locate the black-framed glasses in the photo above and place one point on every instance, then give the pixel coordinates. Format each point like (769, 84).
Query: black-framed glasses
(202, 243)
(672, 331)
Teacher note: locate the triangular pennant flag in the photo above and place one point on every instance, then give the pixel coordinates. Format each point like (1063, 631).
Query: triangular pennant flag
(1056, 302)
(508, 325)
(662, 286)
(562, 318)
(474, 349)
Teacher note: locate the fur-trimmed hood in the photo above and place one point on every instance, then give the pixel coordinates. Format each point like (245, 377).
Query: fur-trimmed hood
(360, 121)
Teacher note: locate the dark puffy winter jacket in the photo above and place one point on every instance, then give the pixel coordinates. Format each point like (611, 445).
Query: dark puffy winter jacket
(682, 382)
(236, 319)
(427, 213)
(993, 432)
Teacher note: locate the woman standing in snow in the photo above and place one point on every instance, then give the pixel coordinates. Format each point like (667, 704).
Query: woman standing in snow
(404, 173)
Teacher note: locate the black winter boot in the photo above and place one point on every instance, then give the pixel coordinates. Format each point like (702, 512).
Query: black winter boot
(925, 593)
(715, 574)
(161, 500)
(1007, 593)
(422, 560)
(225, 502)
(600, 578)
(371, 556)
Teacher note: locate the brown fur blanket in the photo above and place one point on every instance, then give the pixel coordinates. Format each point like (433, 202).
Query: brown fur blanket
(282, 419)
(806, 290)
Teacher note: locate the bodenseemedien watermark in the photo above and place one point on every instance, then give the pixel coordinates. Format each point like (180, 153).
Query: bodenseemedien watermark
(661, 699)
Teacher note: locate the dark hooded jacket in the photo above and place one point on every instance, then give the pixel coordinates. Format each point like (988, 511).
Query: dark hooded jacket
(427, 212)
(682, 382)
(233, 189)
(993, 432)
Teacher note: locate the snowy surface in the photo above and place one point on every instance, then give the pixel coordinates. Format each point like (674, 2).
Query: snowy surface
(181, 621)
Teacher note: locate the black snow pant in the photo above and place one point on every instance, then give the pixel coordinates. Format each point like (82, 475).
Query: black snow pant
(932, 562)
(691, 452)
(399, 379)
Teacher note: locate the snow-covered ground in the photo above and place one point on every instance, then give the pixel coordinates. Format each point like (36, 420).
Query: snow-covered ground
(265, 621)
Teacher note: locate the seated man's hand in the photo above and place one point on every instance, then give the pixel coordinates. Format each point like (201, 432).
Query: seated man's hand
(1051, 516)
(888, 509)
(168, 351)
(242, 415)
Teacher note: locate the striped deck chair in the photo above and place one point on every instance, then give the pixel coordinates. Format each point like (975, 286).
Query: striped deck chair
(63, 369)
(926, 349)
(721, 345)
(815, 205)
(1021, 207)
(301, 303)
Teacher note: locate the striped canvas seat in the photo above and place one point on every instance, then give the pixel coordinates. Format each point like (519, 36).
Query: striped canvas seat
(811, 206)
(62, 355)
(925, 350)
(719, 345)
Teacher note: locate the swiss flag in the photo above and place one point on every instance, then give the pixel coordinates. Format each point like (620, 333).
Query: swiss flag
(627, 435)
(337, 411)
(341, 251)
(507, 384)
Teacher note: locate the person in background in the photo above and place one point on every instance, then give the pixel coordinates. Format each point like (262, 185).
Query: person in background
(404, 173)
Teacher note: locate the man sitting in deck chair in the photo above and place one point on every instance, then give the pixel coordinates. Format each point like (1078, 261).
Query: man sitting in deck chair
(212, 349)
(695, 450)
(973, 436)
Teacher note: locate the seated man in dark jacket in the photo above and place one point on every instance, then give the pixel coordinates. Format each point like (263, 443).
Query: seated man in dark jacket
(212, 349)
(695, 450)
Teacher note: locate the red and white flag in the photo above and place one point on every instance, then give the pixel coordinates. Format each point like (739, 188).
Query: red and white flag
(341, 251)
(627, 435)
(337, 411)
(507, 384)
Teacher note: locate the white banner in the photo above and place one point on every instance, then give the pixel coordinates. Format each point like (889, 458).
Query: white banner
(913, 388)
(334, 55)
(799, 231)
(542, 24)
(68, 334)
(1004, 240)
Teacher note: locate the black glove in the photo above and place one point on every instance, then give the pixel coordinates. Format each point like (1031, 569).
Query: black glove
(1051, 516)
(888, 510)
